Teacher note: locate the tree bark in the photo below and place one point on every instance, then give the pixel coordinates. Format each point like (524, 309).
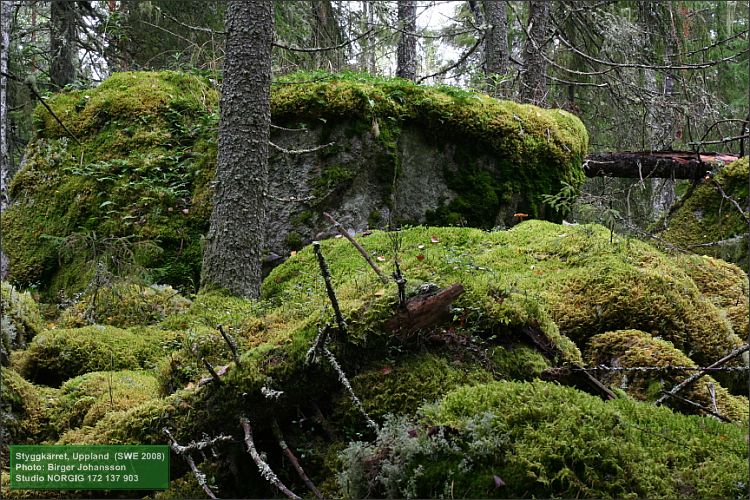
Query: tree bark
(5, 23)
(533, 76)
(496, 55)
(406, 66)
(63, 36)
(234, 244)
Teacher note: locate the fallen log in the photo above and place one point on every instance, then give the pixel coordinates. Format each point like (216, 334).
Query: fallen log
(661, 164)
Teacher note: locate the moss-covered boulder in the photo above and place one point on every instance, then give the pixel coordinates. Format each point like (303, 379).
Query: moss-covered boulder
(634, 349)
(519, 440)
(55, 356)
(20, 320)
(707, 219)
(125, 185)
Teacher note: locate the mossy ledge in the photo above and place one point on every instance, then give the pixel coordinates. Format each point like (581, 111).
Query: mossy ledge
(137, 173)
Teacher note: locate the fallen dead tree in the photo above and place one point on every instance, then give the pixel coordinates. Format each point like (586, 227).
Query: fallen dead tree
(663, 164)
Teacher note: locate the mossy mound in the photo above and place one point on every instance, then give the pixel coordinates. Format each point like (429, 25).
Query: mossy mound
(55, 356)
(633, 348)
(126, 184)
(705, 216)
(124, 305)
(24, 410)
(516, 440)
(85, 399)
(20, 320)
(517, 285)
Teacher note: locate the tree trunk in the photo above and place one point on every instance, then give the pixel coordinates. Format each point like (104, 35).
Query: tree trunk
(660, 165)
(327, 33)
(5, 22)
(533, 77)
(406, 66)
(234, 244)
(496, 54)
(63, 35)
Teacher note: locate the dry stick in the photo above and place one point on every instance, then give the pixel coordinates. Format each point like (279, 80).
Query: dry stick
(182, 451)
(329, 288)
(263, 467)
(231, 344)
(293, 459)
(345, 382)
(356, 244)
(699, 406)
(701, 373)
(211, 370)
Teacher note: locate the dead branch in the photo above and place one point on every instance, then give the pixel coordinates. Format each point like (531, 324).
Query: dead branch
(460, 61)
(231, 344)
(359, 247)
(184, 452)
(345, 382)
(300, 151)
(682, 385)
(214, 375)
(329, 289)
(263, 467)
(731, 200)
(293, 460)
(698, 406)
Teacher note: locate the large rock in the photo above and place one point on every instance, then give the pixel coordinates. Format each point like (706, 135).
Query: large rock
(134, 162)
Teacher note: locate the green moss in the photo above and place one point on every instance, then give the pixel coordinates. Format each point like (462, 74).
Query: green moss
(24, 411)
(124, 305)
(539, 439)
(84, 400)
(633, 348)
(57, 355)
(20, 320)
(704, 216)
(294, 241)
(519, 362)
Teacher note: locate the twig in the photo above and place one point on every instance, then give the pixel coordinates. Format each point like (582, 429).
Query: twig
(319, 341)
(33, 90)
(343, 44)
(183, 451)
(231, 344)
(697, 405)
(721, 243)
(732, 200)
(329, 288)
(345, 382)
(701, 373)
(293, 459)
(359, 247)
(263, 467)
(460, 61)
(211, 370)
(606, 368)
(300, 151)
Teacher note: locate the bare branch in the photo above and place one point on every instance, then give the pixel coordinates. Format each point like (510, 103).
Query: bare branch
(359, 247)
(300, 151)
(460, 61)
(263, 467)
(293, 460)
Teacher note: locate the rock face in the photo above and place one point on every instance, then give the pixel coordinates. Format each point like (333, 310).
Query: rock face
(135, 160)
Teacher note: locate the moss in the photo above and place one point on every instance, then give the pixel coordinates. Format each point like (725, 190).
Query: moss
(84, 400)
(132, 174)
(57, 355)
(519, 362)
(633, 348)
(24, 411)
(539, 439)
(704, 216)
(20, 320)
(294, 241)
(400, 388)
(125, 305)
